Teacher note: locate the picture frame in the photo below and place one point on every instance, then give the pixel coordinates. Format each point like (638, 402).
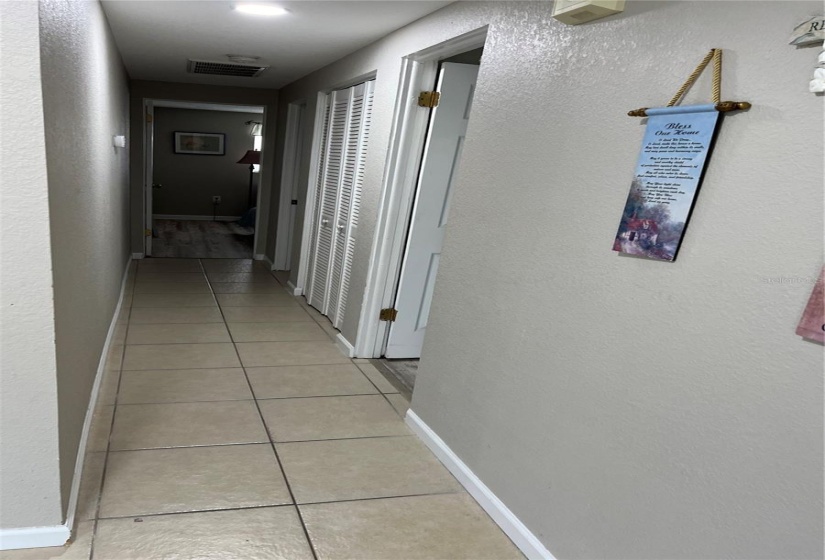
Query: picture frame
(200, 143)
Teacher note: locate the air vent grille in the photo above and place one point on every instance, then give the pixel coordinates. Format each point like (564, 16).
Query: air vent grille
(224, 69)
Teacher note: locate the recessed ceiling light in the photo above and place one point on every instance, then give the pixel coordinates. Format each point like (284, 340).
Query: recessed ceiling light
(260, 9)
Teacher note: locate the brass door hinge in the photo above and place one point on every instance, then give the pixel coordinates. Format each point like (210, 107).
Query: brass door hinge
(147, 232)
(388, 314)
(149, 118)
(428, 99)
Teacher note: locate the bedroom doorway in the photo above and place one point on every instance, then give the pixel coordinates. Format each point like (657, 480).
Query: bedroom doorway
(201, 179)
(424, 75)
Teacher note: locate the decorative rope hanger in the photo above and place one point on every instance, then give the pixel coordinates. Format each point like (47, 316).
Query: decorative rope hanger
(716, 88)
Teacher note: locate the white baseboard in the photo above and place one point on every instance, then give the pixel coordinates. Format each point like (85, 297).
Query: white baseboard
(495, 508)
(345, 346)
(138, 255)
(34, 537)
(90, 411)
(267, 260)
(295, 291)
(187, 217)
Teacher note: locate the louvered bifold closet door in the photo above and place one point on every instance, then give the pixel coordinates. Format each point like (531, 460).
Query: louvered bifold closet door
(311, 292)
(349, 199)
(327, 200)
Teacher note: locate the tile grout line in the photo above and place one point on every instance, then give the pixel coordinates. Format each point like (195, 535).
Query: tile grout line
(271, 441)
(268, 434)
(211, 342)
(112, 423)
(240, 444)
(245, 399)
(266, 506)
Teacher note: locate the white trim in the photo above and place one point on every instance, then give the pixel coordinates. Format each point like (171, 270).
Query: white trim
(34, 537)
(289, 177)
(409, 129)
(309, 205)
(138, 255)
(294, 289)
(90, 410)
(344, 345)
(266, 259)
(196, 217)
(171, 104)
(521, 536)
(261, 213)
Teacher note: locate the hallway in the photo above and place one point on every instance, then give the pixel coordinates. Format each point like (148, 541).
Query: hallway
(229, 425)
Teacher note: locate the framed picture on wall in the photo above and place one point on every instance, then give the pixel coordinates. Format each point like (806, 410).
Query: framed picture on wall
(200, 143)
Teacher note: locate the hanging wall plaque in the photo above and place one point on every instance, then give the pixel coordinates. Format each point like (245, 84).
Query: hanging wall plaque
(812, 323)
(675, 152)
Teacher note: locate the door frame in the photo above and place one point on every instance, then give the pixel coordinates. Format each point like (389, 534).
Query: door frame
(296, 115)
(408, 134)
(149, 105)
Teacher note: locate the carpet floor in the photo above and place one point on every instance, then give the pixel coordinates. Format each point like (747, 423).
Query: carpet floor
(404, 370)
(202, 239)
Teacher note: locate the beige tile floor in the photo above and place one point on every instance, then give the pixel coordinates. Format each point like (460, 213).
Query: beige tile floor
(229, 426)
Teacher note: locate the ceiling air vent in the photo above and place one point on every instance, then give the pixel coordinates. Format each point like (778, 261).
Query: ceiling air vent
(224, 68)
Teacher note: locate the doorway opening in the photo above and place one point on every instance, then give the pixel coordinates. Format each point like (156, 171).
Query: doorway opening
(201, 179)
(288, 198)
(423, 166)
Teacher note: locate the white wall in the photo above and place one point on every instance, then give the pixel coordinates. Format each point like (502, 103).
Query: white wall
(30, 480)
(86, 103)
(623, 408)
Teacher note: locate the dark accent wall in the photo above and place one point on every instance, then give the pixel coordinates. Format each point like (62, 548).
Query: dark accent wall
(141, 90)
(190, 181)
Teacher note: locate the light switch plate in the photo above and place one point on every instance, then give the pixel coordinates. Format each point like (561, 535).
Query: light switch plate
(575, 12)
(119, 141)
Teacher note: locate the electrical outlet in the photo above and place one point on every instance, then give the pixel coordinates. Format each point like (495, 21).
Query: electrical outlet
(216, 200)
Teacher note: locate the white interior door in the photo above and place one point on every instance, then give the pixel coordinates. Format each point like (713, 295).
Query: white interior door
(326, 200)
(289, 187)
(439, 168)
(338, 195)
(349, 199)
(148, 174)
(293, 199)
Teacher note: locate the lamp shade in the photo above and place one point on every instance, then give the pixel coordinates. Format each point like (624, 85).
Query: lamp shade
(251, 157)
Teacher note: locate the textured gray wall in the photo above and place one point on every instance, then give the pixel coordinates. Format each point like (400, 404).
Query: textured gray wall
(29, 456)
(622, 408)
(86, 103)
(140, 90)
(190, 181)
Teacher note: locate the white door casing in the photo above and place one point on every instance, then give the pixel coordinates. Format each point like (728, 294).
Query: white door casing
(439, 169)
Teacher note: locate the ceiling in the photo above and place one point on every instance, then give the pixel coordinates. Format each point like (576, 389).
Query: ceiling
(156, 37)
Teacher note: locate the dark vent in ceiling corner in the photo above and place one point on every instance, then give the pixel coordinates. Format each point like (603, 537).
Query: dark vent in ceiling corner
(224, 69)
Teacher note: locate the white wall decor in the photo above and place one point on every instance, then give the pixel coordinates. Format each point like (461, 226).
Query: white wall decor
(576, 12)
(807, 33)
(817, 85)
